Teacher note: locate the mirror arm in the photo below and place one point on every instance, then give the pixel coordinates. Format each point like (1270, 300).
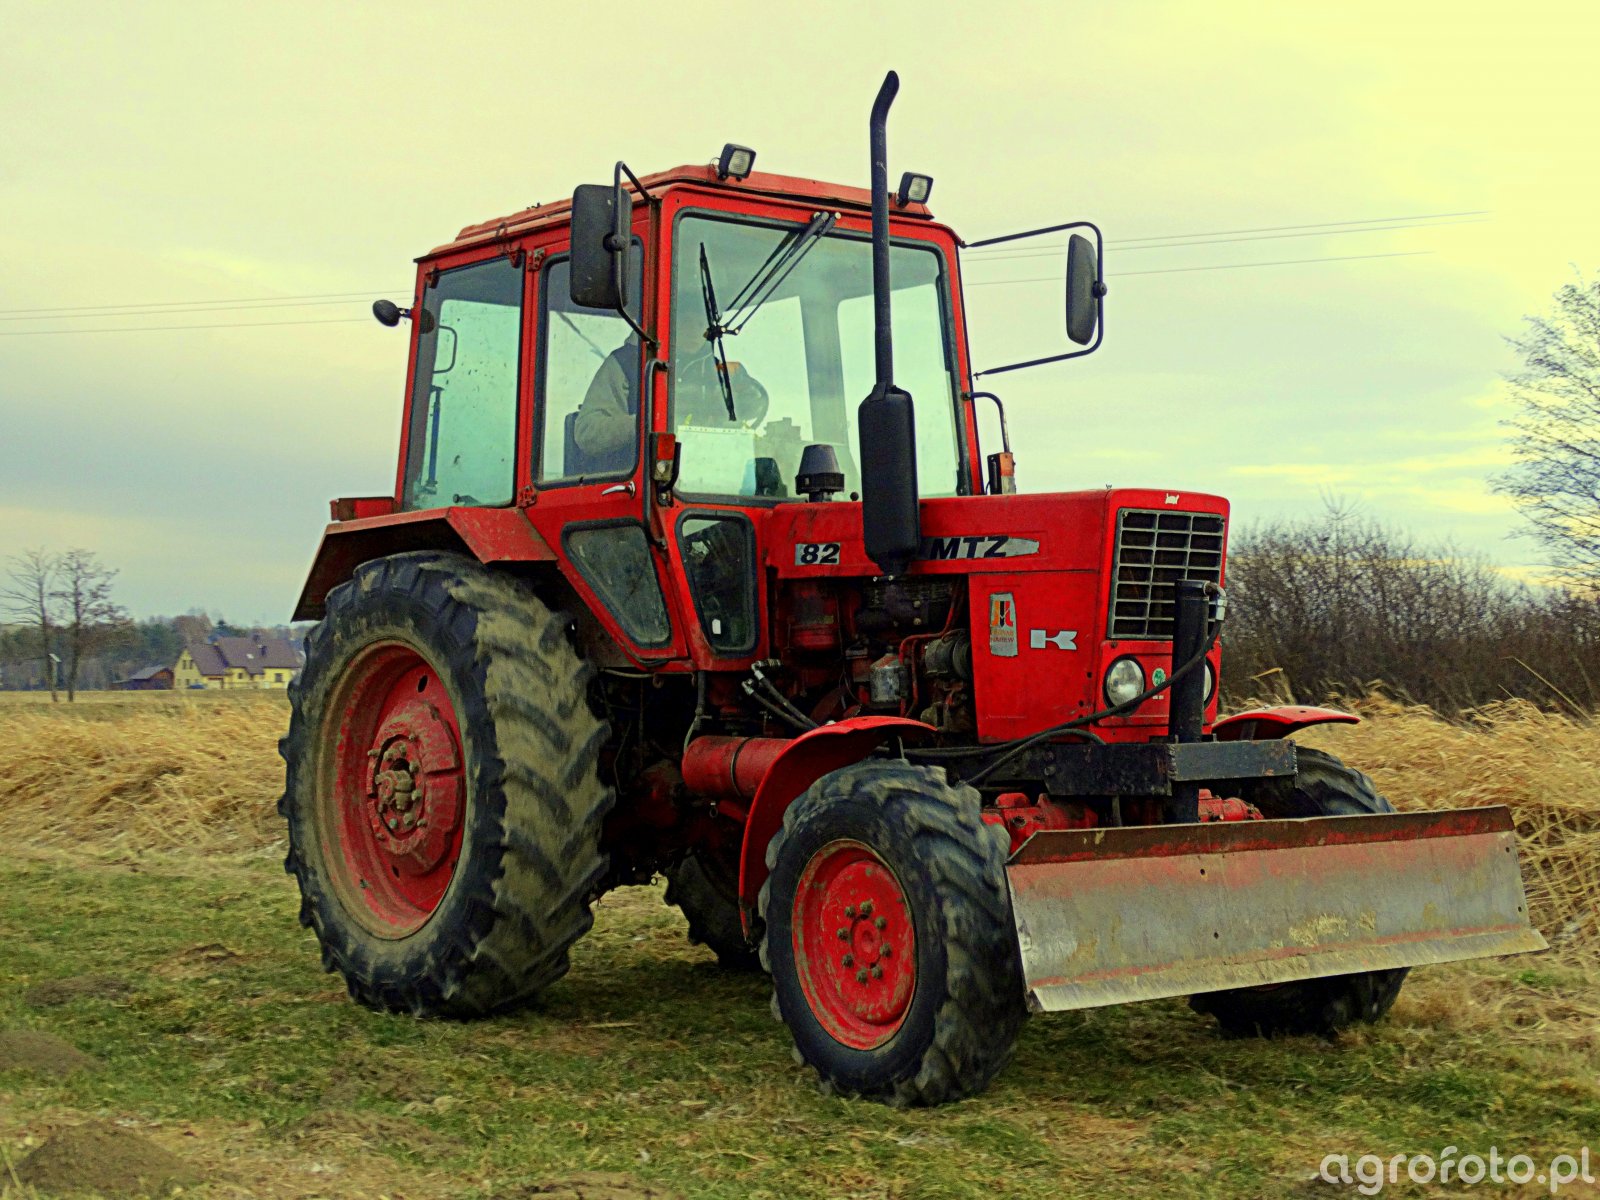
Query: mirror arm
(1099, 294)
(619, 261)
(621, 170)
(1028, 233)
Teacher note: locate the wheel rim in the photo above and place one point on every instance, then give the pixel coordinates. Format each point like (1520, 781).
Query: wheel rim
(854, 944)
(396, 800)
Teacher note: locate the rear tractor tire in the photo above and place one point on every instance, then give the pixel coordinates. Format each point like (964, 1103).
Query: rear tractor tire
(1324, 787)
(889, 935)
(705, 886)
(443, 796)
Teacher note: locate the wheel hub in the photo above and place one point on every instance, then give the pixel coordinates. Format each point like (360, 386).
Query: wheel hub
(413, 800)
(855, 945)
(399, 789)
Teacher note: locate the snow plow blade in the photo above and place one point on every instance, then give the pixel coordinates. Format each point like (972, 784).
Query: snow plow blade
(1108, 916)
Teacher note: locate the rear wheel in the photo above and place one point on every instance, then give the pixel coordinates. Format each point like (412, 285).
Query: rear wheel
(705, 886)
(1324, 787)
(442, 795)
(889, 935)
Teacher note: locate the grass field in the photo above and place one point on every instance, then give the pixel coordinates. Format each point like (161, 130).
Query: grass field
(144, 923)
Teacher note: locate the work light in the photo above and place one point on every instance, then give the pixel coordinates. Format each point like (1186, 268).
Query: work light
(735, 161)
(914, 189)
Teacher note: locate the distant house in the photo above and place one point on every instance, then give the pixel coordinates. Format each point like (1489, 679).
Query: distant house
(237, 662)
(151, 679)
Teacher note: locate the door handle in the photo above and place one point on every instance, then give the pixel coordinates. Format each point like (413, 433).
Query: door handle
(618, 487)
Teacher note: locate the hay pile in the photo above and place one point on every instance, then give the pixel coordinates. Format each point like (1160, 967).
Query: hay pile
(1545, 767)
(152, 772)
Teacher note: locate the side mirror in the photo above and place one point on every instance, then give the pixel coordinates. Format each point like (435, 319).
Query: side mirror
(601, 219)
(1085, 290)
(387, 312)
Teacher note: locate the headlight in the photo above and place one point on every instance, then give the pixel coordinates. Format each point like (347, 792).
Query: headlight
(1124, 681)
(1211, 681)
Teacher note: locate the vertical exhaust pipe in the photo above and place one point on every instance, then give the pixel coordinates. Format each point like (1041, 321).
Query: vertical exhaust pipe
(891, 522)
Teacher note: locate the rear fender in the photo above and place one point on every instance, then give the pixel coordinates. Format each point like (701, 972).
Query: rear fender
(490, 535)
(1264, 724)
(801, 763)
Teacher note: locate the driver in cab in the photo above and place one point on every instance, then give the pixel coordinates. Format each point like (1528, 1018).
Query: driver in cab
(607, 422)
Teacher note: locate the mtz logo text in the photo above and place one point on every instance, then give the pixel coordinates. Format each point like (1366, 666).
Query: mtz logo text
(983, 545)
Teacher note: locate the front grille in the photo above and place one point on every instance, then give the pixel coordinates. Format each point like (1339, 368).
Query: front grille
(1154, 550)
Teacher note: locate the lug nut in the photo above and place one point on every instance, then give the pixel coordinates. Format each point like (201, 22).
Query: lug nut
(866, 908)
(861, 976)
(880, 922)
(850, 911)
(883, 951)
(844, 934)
(877, 972)
(849, 960)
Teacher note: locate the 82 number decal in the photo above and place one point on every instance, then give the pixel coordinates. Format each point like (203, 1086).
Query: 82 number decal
(816, 554)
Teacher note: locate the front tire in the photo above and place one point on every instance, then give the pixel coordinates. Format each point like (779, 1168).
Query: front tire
(889, 935)
(1324, 787)
(443, 798)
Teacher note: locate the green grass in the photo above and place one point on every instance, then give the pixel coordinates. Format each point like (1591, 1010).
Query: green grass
(235, 1051)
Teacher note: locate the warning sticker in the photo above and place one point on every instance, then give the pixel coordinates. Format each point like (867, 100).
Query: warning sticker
(1002, 625)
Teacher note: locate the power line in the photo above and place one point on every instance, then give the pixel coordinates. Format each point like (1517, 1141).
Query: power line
(1282, 262)
(165, 328)
(1478, 212)
(173, 312)
(165, 304)
(1055, 252)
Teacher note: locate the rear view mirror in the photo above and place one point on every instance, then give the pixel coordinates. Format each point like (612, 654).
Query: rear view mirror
(601, 216)
(1085, 289)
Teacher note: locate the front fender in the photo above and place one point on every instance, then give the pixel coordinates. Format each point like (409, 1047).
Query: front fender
(801, 763)
(1263, 724)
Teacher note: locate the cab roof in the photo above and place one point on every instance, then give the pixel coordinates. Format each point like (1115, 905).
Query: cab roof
(758, 183)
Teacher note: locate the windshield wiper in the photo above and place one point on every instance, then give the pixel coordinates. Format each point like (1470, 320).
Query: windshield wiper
(785, 257)
(714, 332)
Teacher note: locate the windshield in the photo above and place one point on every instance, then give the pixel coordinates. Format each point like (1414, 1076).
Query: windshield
(799, 361)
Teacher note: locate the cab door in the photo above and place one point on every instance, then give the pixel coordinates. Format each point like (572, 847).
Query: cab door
(592, 396)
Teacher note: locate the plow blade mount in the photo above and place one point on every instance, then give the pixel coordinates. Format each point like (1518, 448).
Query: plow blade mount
(1107, 916)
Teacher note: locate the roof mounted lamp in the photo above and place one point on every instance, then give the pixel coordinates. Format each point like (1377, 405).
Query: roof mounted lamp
(735, 162)
(914, 189)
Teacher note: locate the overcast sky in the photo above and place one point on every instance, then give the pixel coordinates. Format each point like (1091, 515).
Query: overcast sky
(223, 152)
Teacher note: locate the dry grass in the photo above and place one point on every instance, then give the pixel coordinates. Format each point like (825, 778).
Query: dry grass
(143, 770)
(1542, 765)
(167, 771)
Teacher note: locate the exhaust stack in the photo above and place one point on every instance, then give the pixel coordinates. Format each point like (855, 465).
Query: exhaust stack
(891, 522)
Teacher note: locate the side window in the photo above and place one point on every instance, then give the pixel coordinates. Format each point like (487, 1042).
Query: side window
(464, 399)
(615, 560)
(589, 371)
(719, 556)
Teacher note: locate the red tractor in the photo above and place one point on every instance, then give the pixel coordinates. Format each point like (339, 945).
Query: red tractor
(694, 566)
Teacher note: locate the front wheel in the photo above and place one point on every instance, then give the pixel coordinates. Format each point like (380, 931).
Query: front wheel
(889, 935)
(1324, 787)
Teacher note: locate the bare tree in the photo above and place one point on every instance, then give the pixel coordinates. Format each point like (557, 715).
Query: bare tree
(29, 598)
(1556, 477)
(90, 619)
